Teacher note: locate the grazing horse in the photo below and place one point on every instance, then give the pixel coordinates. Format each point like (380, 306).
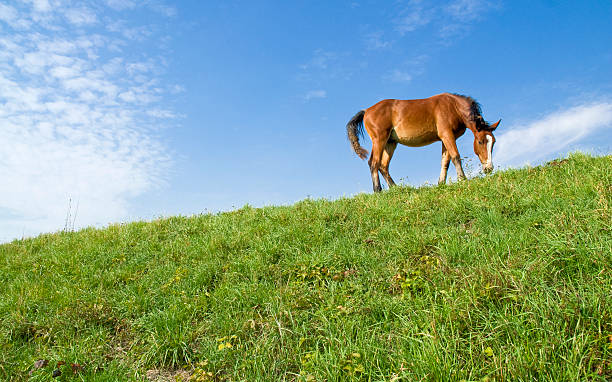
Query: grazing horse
(443, 117)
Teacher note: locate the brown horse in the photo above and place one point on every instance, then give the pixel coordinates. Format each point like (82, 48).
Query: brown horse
(443, 117)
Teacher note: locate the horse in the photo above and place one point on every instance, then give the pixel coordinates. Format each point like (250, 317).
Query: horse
(420, 122)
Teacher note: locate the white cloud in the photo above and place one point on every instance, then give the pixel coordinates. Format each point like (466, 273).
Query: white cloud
(121, 4)
(449, 18)
(164, 10)
(63, 72)
(156, 6)
(10, 16)
(161, 113)
(41, 5)
(177, 89)
(7, 13)
(326, 65)
(321, 59)
(315, 94)
(72, 121)
(137, 33)
(467, 10)
(80, 16)
(375, 41)
(399, 76)
(136, 67)
(414, 16)
(552, 133)
(409, 69)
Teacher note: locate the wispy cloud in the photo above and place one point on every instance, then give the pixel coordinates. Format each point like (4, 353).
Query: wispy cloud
(376, 41)
(78, 120)
(325, 65)
(41, 5)
(414, 15)
(321, 59)
(315, 94)
(163, 9)
(445, 19)
(10, 16)
(81, 16)
(468, 10)
(398, 76)
(134, 33)
(449, 18)
(551, 134)
(154, 5)
(408, 70)
(121, 4)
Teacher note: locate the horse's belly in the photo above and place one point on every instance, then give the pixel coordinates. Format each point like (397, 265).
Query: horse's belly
(415, 138)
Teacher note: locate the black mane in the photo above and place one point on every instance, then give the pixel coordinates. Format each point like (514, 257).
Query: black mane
(475, 112)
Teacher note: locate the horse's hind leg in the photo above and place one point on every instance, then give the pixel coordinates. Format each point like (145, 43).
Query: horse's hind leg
(386, 158)
(375, 160)
(379, 130)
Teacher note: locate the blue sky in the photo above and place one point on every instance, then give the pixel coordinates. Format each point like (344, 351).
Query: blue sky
(133, 110)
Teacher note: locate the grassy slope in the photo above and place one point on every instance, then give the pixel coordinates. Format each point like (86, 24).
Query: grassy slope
(507, 277)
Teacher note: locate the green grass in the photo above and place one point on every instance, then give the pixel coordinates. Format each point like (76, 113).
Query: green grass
(501, 278)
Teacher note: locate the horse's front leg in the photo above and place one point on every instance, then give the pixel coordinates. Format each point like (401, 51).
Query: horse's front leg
(451, 148)
(444, 165)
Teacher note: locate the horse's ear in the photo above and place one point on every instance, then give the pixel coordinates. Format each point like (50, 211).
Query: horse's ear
(494, 126)
(480, 123)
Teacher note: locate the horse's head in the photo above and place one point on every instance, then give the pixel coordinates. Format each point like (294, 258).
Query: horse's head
(483, 145)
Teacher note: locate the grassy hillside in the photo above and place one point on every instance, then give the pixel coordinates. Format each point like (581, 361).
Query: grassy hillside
(503, 278)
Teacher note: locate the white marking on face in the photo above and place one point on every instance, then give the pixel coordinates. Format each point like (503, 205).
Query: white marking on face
(489, 150)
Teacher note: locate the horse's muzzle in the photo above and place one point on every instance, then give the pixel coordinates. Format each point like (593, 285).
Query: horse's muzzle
(487, 169)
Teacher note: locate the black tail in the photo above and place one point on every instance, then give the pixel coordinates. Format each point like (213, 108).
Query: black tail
(354, 130)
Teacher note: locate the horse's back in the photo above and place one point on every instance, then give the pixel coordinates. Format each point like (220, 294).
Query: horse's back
(410, 122)
(420, 106)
